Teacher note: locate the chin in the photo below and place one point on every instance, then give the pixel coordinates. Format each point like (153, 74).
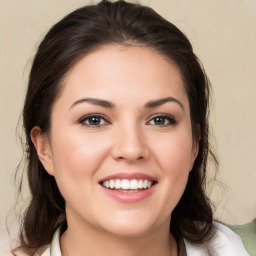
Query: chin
(129, 231)
(129, 227)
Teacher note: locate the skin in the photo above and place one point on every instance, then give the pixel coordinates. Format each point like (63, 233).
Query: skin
(128, 139)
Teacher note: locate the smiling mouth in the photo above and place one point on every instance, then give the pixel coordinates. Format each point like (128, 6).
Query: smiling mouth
(128, 186)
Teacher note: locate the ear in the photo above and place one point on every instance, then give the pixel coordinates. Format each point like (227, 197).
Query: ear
(42, 146)
(195, 147)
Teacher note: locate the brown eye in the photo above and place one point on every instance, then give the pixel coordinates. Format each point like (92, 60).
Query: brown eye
(93, 120)
(162, 120)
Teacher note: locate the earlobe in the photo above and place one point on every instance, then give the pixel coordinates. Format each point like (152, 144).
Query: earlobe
(195, 148)
(43, 149)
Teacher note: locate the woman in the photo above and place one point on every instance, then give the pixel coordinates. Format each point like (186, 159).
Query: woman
(116, 122)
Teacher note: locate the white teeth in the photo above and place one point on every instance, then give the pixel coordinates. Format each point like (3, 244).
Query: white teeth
(140, 184)
(118, 184)
(150, 183)
(125, 184)
(111, 184)
(133, 184)
(107, 184)
(145, 184)
(128, 184)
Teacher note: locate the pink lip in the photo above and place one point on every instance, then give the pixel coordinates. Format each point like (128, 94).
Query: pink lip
(129, 197)
(128, 176)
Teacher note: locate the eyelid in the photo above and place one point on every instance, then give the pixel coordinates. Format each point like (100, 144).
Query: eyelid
(172, 120)
(85, 117)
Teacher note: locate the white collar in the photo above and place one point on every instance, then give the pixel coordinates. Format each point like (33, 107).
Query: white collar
(55, 244)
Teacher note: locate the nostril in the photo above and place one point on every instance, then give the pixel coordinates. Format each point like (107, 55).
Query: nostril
(130, 148)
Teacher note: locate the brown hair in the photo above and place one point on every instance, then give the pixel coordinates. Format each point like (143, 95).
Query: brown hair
(77, 34)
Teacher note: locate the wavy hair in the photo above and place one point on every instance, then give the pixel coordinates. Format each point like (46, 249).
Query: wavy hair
(80, 32)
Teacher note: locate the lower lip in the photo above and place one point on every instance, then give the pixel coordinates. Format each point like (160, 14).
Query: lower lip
(129, 197)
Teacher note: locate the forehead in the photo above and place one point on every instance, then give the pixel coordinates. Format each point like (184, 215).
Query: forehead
(121, 72)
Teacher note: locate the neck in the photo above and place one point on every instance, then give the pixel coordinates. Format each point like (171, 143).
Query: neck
(86, 240)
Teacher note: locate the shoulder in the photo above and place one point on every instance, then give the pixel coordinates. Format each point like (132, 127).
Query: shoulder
(44, 252)
(51, 249)
(227, 242)
(224, 242)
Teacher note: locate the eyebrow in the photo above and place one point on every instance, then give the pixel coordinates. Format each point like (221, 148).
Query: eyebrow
(156, 103)
(107, 104)
(98, 102)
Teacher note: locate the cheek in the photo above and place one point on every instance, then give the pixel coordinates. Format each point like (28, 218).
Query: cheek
(174, 156)
(174, 153)
(76, 159)
(76, 153)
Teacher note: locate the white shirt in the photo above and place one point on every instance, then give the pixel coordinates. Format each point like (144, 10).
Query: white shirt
(224, 243)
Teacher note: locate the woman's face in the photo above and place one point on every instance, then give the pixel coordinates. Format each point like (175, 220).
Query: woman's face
(120, 145)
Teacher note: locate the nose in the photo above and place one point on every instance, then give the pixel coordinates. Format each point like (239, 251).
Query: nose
(130, 144)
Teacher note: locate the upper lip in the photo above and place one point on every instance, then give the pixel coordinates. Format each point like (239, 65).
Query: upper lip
(128, 176)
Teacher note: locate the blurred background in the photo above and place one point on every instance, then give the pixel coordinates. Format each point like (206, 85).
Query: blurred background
(223, 35)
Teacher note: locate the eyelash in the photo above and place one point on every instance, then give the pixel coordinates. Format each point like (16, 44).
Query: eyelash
(170, 119)
(167, 118)
(90, 117)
